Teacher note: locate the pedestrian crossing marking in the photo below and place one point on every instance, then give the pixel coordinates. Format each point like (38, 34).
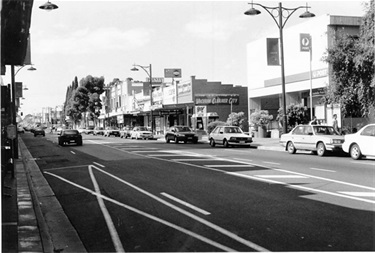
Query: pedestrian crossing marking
(280, 176)
(360, 194)
(229, 165)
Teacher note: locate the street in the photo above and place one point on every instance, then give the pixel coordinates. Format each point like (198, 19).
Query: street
(147, 195)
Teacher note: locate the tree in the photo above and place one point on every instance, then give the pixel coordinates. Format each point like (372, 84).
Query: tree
(238, 119)
(296, 114)
(95, 87)
(352, 64)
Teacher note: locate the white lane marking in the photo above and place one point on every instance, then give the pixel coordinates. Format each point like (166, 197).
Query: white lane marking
(229, 165)
(70, 167)
(322, 170)
(271, 163)
(111, 227)
(164, 155)
(98, 164)
(241, 159)
(360, 194)
(300, 187)
(280, 176)
(185, 203)
(72, 152)
(195, 159)
(365, 163)
(181, 229)
(197, 218)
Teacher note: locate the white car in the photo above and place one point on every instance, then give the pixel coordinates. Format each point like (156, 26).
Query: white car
(316, 138)
(229, 136)
(361, 143)
(141, 132)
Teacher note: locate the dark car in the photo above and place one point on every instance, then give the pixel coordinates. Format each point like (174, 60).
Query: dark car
(181, 133)
(69, 136)
(98, 130)
(39, 131)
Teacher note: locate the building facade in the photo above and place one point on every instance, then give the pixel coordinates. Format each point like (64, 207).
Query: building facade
(264, 82)
(193, 102)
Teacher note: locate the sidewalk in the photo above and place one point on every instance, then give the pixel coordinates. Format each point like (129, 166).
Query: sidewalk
(32, 218)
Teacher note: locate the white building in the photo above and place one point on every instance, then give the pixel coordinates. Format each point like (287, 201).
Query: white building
(264, 82)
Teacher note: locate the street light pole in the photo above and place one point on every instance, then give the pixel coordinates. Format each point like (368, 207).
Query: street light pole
(280, 24)
(149, 73)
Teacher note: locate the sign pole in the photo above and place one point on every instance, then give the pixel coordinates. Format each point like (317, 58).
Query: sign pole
(311, 100)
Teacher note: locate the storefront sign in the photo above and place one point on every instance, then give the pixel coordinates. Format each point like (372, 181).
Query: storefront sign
(200, 110)
(185, 92)
(217, 99)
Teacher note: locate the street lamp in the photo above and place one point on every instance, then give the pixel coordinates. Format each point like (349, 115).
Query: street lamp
(48, 6)
(149, 73)
(278, 12)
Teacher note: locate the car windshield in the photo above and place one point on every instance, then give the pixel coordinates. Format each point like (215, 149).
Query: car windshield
(143, 129)
(182, 129)
(232, 130)
(71, 132)
(324, 130)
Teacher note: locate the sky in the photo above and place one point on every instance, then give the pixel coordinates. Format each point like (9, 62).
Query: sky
(205, 39)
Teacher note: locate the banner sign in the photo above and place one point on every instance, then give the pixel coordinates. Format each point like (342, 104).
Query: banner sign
(217, 99)
(273, 52)
(305, 42)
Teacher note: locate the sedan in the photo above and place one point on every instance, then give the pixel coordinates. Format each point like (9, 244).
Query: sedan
(141, 132)
(98, 130)
(181, 133)
(113, 131)
(316, 138)
(229, 136)
(39, 131)
(69, 136)
(361, 143)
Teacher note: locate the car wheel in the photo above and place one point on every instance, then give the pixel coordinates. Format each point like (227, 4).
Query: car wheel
(167, 140)
(355, 152)
(79, 143)
(321, 149)
(212, 143)
(61, 143)
(290, 147)
(175, 140)
(226, 144)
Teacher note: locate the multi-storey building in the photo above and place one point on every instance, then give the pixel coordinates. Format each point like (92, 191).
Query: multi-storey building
(264, 81)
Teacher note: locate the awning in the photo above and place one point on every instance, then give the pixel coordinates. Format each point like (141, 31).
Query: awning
(209, 114)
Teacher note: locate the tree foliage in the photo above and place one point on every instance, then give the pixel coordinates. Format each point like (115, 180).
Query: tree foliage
(296, 115)
(352, 63)
(238, 119)
(84, 98)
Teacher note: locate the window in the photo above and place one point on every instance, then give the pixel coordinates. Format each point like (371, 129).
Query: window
(369, 131)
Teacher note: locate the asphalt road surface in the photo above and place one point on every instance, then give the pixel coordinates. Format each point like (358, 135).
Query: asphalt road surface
(142, 196)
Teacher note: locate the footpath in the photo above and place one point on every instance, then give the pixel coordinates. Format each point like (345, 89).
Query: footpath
(32, 218)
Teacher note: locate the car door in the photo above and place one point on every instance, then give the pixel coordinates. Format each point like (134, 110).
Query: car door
(297, 137)
(366, 140)
(309, 138)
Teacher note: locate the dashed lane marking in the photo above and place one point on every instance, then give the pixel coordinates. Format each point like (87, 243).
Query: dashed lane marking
(98, 164)
(230, 165)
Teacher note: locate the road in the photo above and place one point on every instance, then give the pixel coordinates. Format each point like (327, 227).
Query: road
(140, 195)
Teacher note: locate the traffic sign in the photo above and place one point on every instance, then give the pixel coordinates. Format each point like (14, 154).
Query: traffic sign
(172, 73)
(305, 42)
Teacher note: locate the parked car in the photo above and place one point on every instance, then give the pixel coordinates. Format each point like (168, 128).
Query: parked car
(126, 132)
(181, 133)
(229, 136)
(39, 131)
(361, 143)
(141, 132)
(316, 138)
(111, 131)
(68, 136)
(98, 131)
(89, 130)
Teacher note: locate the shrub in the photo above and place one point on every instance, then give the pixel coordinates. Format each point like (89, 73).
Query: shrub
(260, 118)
